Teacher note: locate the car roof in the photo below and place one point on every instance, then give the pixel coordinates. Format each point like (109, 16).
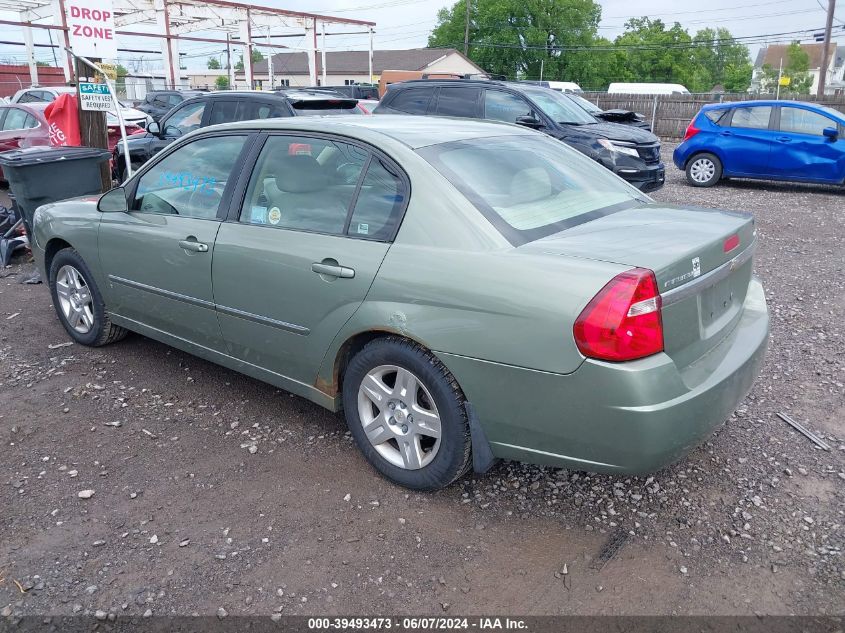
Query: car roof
(759, 102)
(412, 131)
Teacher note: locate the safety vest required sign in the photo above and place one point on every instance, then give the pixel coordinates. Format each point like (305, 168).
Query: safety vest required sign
(90, 26)
(94, 97)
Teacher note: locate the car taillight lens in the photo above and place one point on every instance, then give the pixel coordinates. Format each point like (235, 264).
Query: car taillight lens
(691, 130)
(622, 322)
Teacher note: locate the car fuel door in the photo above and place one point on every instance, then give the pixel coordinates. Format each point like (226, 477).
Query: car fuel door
(299, 257)
(157, 256)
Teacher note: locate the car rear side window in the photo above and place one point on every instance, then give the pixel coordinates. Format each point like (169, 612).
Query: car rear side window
(190, 181)
(16, 119)
(380, 201)
(716, 116)
(412, 100)
(756, 117)
(800, 121)
(223, 112)
(457, 101)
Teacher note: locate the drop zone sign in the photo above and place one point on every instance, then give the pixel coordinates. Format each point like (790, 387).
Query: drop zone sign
(91, 28)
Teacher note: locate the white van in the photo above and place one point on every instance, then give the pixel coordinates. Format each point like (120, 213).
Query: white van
(565, 86)
(646, 89)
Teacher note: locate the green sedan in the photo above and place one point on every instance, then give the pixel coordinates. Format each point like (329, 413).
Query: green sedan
(463, 291)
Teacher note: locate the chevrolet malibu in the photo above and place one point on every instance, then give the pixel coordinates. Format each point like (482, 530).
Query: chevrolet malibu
(462, 290)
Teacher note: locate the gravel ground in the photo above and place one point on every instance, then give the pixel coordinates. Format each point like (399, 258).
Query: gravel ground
(137, 479)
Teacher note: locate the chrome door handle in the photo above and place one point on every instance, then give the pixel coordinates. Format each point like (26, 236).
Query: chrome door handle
(332, 270)
(193, 245)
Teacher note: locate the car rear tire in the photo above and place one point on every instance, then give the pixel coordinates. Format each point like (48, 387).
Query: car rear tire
(78, 301)
(406, 413)
(704, 170)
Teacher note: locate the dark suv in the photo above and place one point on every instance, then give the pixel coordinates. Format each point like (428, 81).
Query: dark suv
(356, 91)
(630, 152)
(223, 107)
(157, 103)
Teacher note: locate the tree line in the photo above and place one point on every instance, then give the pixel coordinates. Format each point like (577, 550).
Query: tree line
(520, 39)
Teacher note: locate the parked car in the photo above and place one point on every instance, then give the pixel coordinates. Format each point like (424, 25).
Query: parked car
(25, 125)
(368, 105)
(224, 107)
(629, 152)
(623, 88)
(774, 140)
(157, 103)
(48, 94)
(559, 86)
(625, 117)
(354, 91)
(462, 290)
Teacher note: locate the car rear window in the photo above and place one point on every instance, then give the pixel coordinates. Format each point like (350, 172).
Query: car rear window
(530, 186)
(325, 107)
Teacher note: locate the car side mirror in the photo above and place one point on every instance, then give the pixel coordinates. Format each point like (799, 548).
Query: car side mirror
(113, 201)
(831, 132)
(154, 128)
(529, 121)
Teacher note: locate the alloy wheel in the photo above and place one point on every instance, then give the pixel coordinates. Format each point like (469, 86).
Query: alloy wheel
(75, 299)
(399, 417)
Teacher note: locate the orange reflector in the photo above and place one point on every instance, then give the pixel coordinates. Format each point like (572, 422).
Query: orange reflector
(731, 243)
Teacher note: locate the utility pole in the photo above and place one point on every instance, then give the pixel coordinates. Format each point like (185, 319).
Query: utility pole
(92, 124)
(229, 73)
(466, 31)
(831, 7)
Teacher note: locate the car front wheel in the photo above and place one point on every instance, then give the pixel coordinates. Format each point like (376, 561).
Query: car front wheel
(406, 414)
(704, 170)
(78, 301)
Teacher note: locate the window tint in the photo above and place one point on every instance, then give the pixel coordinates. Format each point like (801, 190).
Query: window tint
(249, 110)
(756, 117)
(379, 204)
(223, 112)
(412, 101)
(303, 183)
(457, 101)
(503, 106)
(800, 121)
(190, 181)
(184, 120)
(16, 119)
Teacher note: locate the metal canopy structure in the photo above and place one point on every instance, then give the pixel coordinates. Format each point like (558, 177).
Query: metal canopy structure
(173, 22)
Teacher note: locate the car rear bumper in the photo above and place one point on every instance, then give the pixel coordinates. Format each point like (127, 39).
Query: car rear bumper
(627, 418)
(648, 179)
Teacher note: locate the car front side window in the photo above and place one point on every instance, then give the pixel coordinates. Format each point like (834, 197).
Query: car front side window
(800, 121)
(15, 120)
(503, 106)
(190, 181)
(304, 183)
(186, 119)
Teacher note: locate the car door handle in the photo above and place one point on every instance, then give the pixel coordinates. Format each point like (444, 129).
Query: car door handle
(726, 133)
(194, 246)
(332, 270)
(783, 139)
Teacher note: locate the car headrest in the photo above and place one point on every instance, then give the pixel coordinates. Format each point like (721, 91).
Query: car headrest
(529, 185)
(299, 174)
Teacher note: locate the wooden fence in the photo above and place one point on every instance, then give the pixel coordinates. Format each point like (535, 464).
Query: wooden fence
(672, 113)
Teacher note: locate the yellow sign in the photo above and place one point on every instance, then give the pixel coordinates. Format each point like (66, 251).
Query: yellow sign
(785, 81)
(110, 71)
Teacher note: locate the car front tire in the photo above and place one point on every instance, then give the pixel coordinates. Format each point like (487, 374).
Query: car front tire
(406, 413)
(79, 303)
(704, 170)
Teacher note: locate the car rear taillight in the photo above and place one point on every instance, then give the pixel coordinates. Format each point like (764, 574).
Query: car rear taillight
(622, 322)
(691, 130)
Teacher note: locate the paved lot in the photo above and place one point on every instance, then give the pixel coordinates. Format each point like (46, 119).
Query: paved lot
(186, 519)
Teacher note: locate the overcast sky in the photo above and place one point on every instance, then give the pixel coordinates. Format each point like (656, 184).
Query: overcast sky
(407, 23)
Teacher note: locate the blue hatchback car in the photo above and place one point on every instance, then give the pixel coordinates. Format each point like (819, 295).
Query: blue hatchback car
(774, 140)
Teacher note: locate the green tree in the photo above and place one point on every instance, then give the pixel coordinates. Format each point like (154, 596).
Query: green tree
(213, 63)
(256, 57)
(796, 63)
(649, 52)
(516, 38)
(222, 82)
(718, 60)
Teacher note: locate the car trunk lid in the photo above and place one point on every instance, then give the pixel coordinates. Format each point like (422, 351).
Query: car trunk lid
(701, 259)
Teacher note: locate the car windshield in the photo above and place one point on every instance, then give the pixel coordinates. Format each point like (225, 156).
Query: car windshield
(588, 105)
(559, 108)
(530, 186)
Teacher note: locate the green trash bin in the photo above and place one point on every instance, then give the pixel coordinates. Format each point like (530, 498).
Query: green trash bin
(41, 175)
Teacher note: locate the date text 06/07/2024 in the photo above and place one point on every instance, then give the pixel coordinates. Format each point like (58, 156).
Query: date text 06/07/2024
(416, 623)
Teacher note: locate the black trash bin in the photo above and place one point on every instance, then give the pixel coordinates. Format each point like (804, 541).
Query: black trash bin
(41, 175)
